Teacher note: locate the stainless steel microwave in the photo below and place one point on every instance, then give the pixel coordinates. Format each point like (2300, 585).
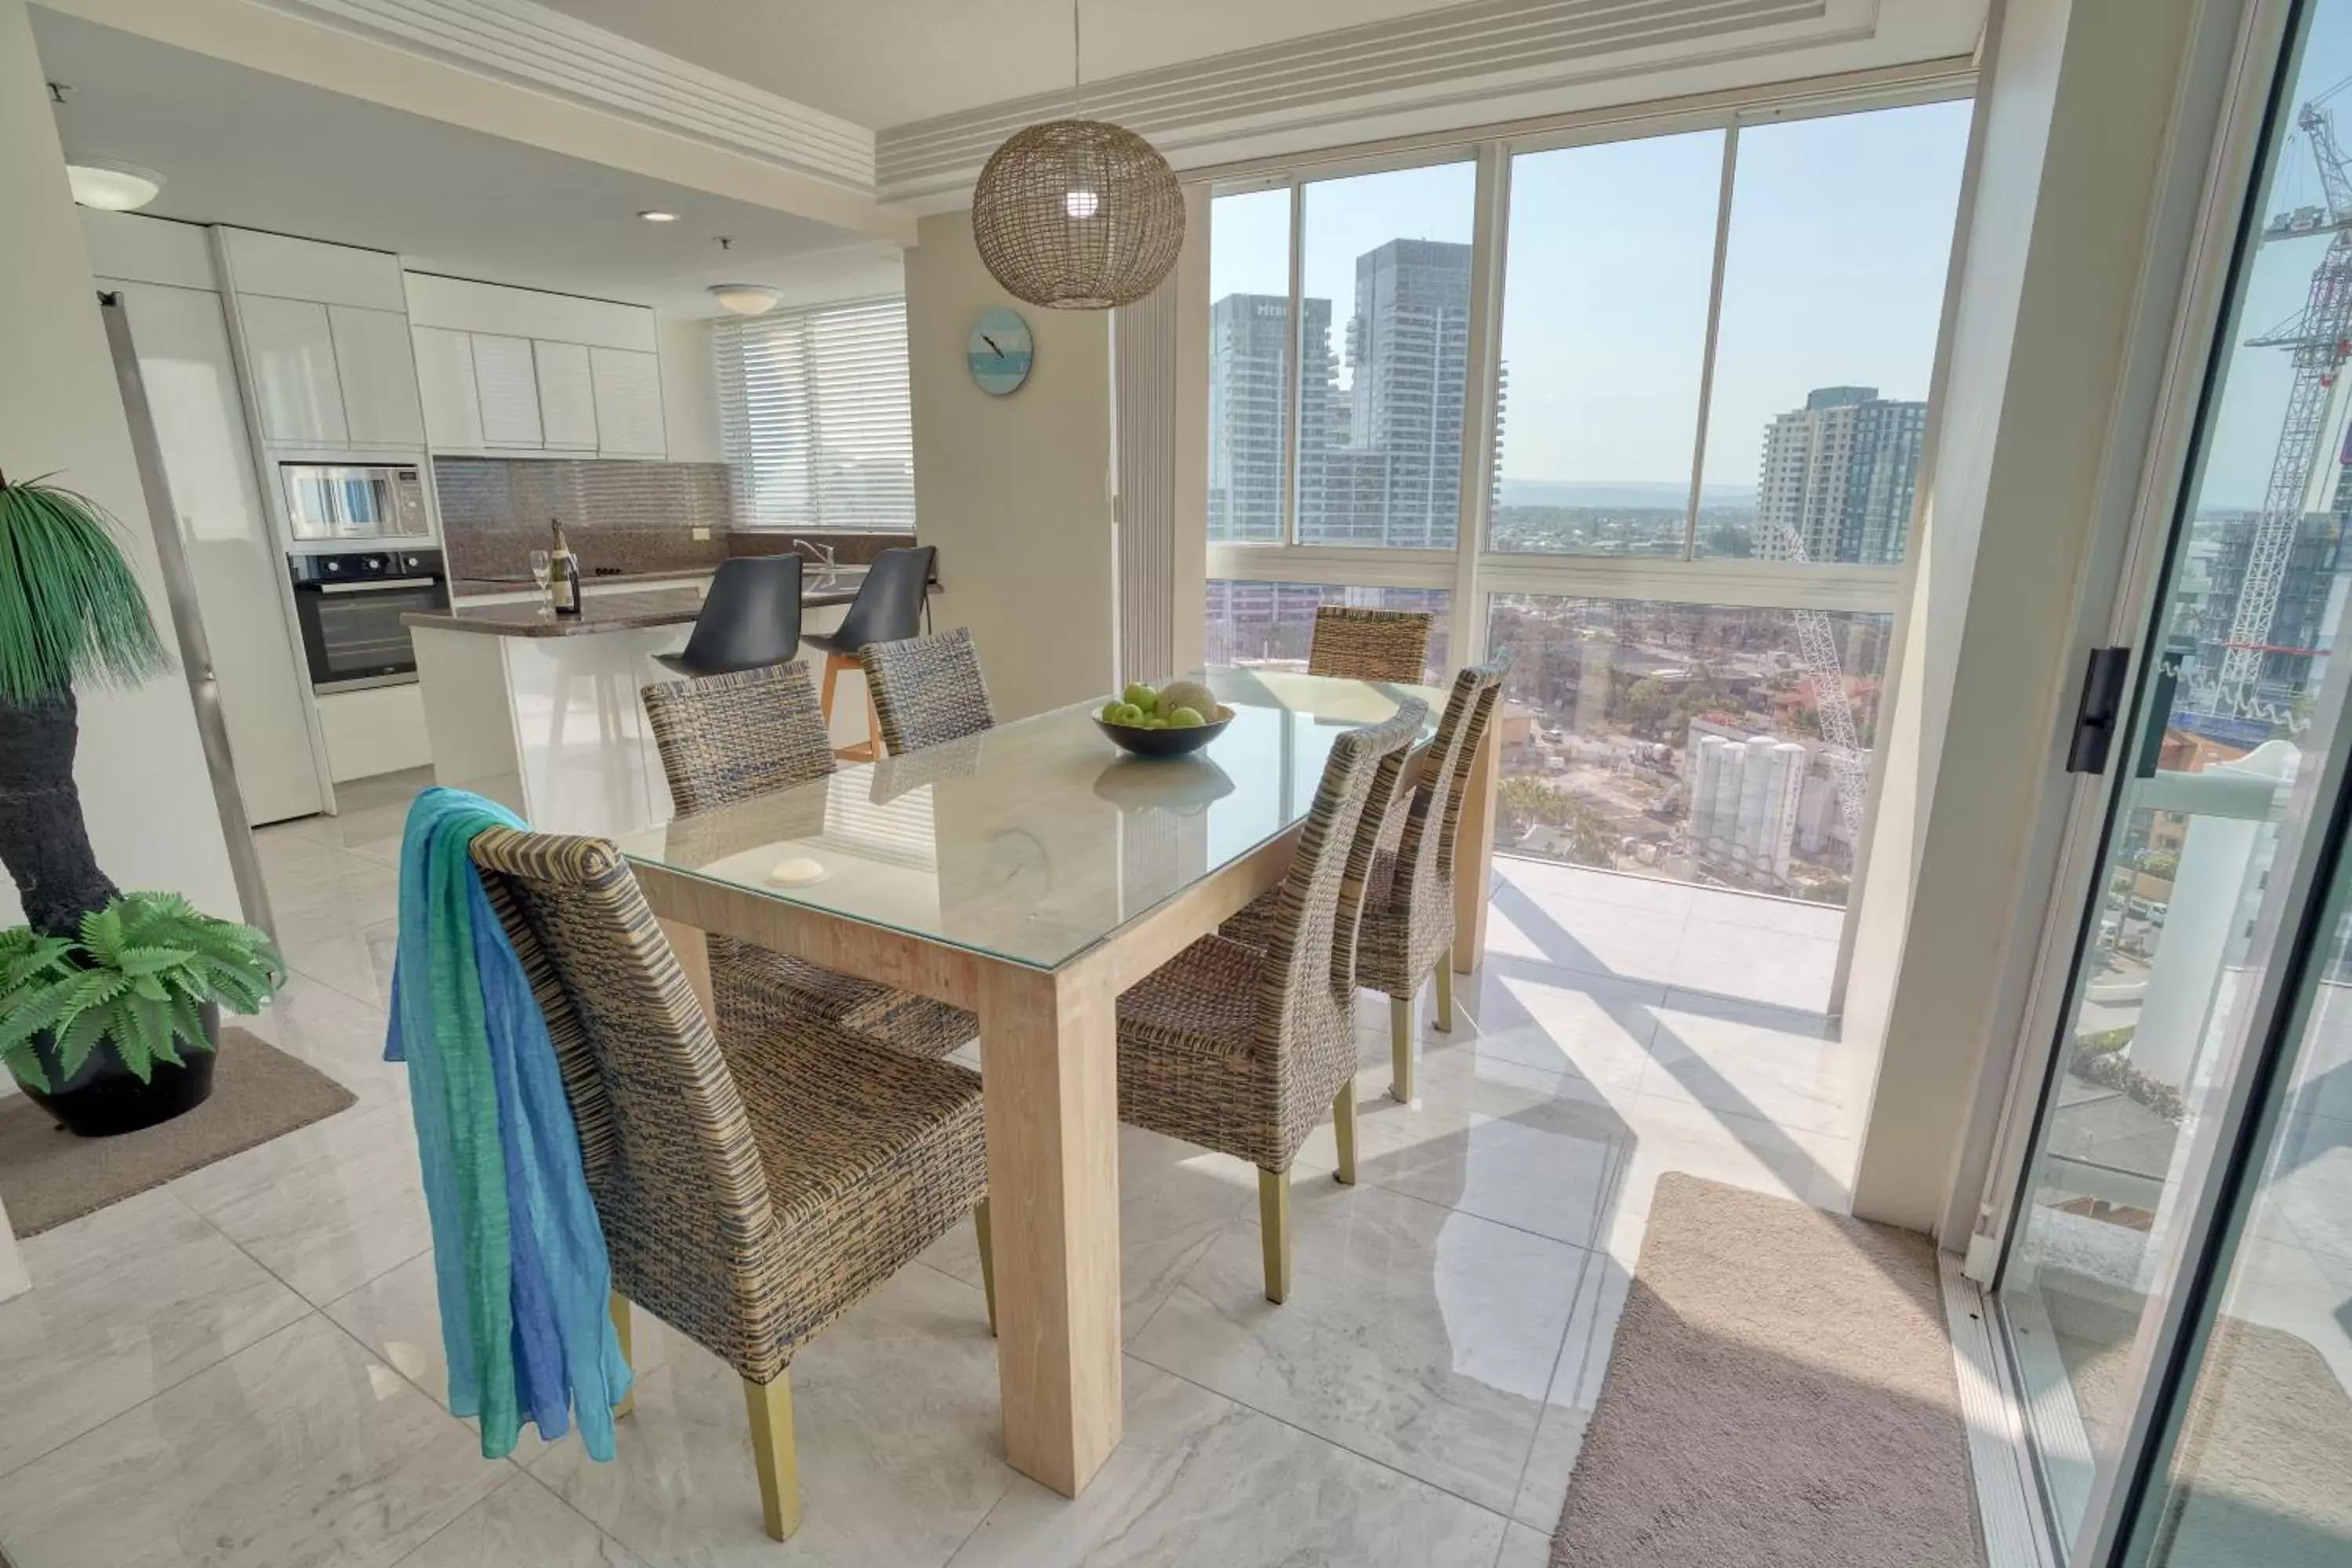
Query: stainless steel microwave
(328, 504)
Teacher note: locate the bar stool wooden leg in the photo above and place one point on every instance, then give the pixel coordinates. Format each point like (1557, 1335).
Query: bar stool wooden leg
(770, 1406)
(628, 1352)
(1444, 1019)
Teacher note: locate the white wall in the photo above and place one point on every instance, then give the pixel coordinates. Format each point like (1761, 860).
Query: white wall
(1014, 491)
(2073, 122)
(689, 380)
(140, 766)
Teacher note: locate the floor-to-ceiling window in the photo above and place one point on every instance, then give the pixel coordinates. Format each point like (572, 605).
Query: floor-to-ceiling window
(2176, 1296)
(1644, 410)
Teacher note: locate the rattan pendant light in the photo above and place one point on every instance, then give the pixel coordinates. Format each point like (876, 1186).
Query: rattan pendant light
(1077, 215)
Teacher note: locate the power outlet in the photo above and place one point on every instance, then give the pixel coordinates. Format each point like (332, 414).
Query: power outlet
(702, 536)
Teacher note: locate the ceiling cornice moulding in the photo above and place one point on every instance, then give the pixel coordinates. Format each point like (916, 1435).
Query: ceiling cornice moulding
(1463, 55)
(530, 46)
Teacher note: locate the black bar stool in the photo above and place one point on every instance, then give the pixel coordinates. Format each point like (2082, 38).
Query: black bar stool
(751, 619)
(889, 608)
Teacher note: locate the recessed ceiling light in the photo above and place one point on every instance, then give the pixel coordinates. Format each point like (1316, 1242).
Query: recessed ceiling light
(655, 215)
(112, 187)
(746, 298)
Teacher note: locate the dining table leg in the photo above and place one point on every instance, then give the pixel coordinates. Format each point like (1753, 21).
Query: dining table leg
(1050, 1092)
(693, 950)
(1473, 855)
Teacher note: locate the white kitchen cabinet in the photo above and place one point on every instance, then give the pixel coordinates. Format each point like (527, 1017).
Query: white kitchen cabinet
(508, 382)
(629, 404)
(444, 379)
(239, 568)
(376, 366)
(567, 396)
(292, 348)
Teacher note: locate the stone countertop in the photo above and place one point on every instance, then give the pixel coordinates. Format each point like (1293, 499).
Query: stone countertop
(615, 612)
(599, 613)
(481, 588)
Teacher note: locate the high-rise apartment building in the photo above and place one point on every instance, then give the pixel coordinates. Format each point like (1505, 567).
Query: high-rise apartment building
(1380, 464)
(1396, 478)
(1838, 478)
(1249, 344)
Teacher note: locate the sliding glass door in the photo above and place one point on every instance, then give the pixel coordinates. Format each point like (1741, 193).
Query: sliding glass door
(2181, 1344)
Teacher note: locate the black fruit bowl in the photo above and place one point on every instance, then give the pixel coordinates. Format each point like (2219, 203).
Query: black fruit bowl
(1165, 742)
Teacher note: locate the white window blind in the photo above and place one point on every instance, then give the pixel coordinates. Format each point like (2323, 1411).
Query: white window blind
(813, 407)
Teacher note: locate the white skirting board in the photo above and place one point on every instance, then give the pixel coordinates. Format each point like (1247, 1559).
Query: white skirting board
(377, 731)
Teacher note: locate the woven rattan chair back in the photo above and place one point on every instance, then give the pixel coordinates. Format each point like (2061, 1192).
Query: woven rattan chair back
(664, 1137)
(927, 690)
(725, 738)
(1307, 982)
(1425, 853)
(1369, 644)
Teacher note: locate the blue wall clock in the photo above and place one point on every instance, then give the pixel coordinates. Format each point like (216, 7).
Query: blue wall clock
(1000, 352)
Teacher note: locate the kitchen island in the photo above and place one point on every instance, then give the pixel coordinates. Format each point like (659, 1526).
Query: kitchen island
(540, 712)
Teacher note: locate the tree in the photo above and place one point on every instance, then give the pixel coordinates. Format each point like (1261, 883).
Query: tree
(70, 611)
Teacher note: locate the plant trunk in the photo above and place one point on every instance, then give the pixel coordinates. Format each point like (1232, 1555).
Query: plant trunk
(43, 841)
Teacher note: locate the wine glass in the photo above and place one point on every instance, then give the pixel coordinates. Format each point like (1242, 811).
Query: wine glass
(542, 570)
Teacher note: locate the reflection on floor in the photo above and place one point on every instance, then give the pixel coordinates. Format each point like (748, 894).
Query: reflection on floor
(244, 1367)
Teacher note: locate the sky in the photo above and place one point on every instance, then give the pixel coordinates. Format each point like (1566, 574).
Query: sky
(1840, 230)
(2241, 434)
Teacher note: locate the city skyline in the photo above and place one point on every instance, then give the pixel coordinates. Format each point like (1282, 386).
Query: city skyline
(1840, 233)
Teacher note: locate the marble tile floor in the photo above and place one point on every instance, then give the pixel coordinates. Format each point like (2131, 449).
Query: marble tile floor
(244, 1367)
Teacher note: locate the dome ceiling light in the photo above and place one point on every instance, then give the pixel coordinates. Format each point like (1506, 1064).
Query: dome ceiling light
(746, 298)
(1077, 215)
(113, 187)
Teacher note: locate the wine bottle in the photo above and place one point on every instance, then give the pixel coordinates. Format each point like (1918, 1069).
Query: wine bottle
(564, 575)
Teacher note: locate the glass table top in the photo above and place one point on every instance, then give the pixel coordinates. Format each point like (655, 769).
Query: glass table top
(1033, 841)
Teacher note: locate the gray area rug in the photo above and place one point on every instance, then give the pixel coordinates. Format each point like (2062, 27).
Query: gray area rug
(1780, 1393)
(48, 1176)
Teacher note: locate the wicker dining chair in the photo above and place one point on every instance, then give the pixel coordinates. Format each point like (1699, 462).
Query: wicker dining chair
(1240, 1049)
(1369, 644)
(927, 690)
(1407, 933)
(751, 1187)
(725, 739)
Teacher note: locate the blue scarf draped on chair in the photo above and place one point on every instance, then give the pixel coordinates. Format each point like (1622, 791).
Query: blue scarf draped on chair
(517, 1255)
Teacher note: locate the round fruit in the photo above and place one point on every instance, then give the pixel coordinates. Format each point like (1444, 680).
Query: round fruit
(1142, 696)
(1154, 721)
(1185, 719)
(1110, 710)
(1129, 713)
(1187, 694)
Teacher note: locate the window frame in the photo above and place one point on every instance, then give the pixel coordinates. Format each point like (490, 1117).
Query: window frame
(739, 467)
(1472, 569)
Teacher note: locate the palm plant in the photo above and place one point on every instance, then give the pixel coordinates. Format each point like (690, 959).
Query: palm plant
(70, 611)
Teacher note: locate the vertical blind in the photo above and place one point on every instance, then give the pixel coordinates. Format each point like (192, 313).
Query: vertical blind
(813, 407)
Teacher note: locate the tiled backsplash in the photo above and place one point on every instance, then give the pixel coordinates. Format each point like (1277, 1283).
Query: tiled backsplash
(630, 517)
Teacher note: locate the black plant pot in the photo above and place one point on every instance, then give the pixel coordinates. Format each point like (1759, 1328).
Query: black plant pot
(104, 1098)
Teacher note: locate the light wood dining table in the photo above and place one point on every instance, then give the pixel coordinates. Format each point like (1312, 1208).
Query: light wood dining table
(1031, 874)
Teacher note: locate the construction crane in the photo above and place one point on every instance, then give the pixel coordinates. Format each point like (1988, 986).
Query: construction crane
(2319, 339)
(1817, 645)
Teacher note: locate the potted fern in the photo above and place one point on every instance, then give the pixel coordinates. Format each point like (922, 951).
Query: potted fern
(109, 1002)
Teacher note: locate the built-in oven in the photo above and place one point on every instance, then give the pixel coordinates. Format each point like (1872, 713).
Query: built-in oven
(349, 605)
(354, 505)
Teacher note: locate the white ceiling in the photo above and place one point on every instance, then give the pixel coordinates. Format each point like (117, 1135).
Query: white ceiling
(881, 63)
(239, 146)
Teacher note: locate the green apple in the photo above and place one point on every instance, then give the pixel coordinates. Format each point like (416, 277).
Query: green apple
(1185, 719)
(1142, 696)
(1154, 721)
(1124, 713)
(1111, 710)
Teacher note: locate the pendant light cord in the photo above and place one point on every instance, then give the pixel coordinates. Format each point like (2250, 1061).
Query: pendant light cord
(1078, 64)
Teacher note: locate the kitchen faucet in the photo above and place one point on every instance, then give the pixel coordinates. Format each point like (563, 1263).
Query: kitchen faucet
(820, 554)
